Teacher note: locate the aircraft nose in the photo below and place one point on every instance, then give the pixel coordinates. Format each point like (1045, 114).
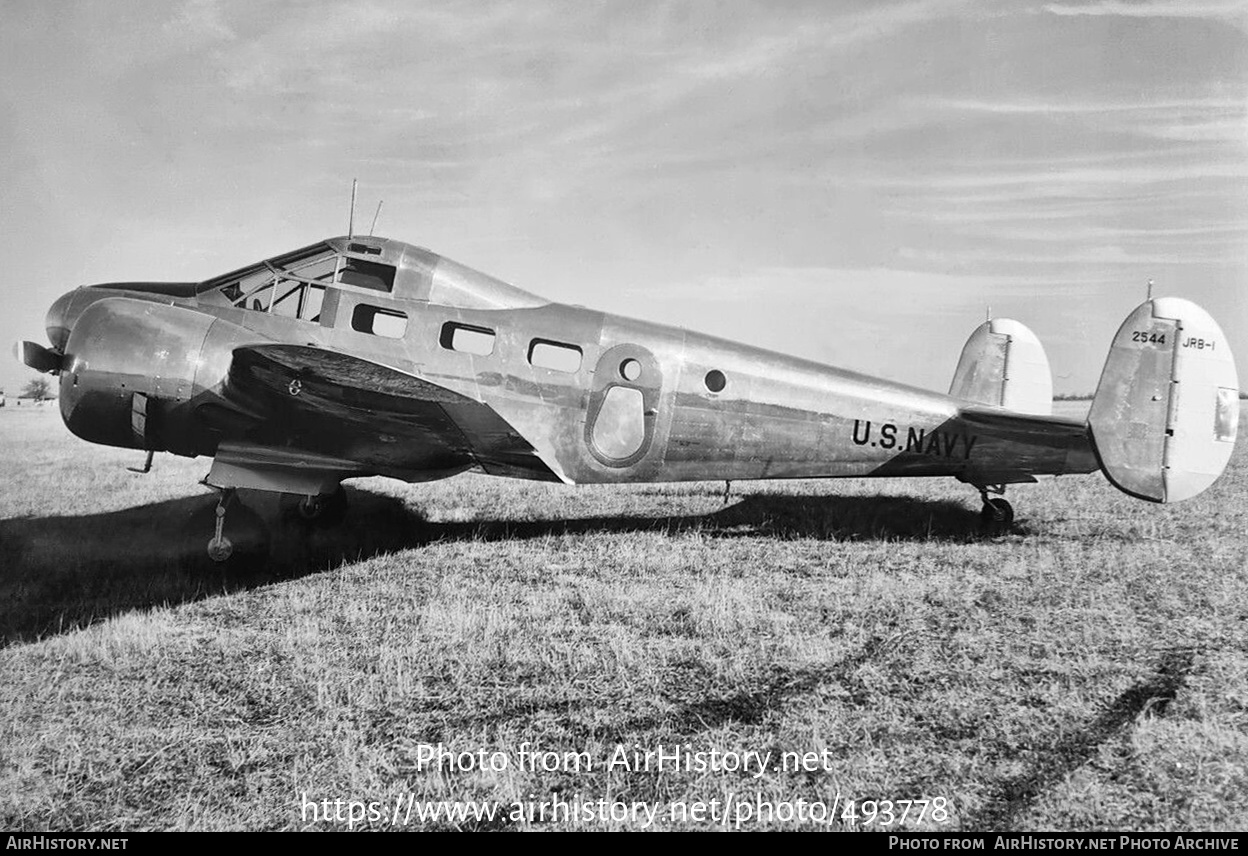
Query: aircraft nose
(58, 321)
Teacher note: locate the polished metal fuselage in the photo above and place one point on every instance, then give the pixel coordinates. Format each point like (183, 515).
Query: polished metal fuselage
(689, 406)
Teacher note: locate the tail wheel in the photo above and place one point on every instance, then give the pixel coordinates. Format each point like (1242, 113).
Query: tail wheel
(997, 512)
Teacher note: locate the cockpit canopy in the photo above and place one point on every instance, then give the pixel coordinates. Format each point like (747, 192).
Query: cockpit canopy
(294, 284)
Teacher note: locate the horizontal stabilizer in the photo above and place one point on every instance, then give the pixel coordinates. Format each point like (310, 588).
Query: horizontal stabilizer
(1166, 410)
(1003, 364)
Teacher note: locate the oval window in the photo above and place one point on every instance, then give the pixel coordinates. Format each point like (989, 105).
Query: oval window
(715, 380)
(630, 369)
(620, 427)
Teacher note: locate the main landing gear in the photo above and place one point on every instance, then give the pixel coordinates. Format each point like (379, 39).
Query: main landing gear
(997, 515)
(239, 533)
(327, 509)
(220, 548)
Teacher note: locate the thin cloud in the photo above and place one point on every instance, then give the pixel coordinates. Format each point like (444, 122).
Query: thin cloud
(1171, 9)
(1207, 119)
(1101, 254)
(1182, 106)
(199, 21)
(1183, 237)
(790, 283)
(756, 56)
(1058, 182)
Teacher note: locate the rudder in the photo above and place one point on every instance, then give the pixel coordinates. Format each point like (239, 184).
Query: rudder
(1166, 410)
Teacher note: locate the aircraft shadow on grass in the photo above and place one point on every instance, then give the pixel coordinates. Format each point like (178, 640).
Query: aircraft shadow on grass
(63, 573)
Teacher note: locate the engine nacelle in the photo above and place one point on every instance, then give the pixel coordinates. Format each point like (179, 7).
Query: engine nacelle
(134, 371)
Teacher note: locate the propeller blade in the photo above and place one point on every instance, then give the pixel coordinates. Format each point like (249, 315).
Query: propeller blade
(38, 357)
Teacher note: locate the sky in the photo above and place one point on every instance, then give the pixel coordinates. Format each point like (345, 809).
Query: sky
(850, 182)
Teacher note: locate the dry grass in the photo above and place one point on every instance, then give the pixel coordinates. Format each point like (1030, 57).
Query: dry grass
(1089, 670)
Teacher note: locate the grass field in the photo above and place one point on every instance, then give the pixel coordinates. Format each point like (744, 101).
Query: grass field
(1086, 671)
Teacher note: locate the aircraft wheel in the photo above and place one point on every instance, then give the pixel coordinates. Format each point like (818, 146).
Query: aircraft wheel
(220, 549)
(327, 509)
(244, 539)
(997, 513)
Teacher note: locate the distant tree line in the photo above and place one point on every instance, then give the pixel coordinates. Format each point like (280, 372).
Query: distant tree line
(1088, 396)
(38, 389)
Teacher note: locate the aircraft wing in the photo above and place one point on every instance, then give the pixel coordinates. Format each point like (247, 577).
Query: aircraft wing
(318, 416)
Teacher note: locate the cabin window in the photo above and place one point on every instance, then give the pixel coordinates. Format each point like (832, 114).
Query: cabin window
(313, 299)
(467, 338)
(364, 274)
(545, 354)
(715, 380)
(321, 270)
(630, 369)
(258, 301)
(287, 286)
(286, 300)
(250, 289)
(299, 300)
(379, 321)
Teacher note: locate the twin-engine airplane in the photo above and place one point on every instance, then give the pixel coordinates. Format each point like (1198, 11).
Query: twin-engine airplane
(366, 356)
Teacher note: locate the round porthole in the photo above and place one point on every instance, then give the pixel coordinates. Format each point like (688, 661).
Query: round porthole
(630, 369)
(715, 380)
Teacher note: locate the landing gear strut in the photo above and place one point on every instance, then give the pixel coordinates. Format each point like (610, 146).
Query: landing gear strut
(221, 548)
(997, 513)
(240, 537)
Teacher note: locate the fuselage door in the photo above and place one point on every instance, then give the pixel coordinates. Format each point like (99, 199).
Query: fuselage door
(623, 405)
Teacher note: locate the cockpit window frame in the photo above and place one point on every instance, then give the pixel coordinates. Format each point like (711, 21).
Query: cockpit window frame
(287, 268)
(223, 280)
(293, 261)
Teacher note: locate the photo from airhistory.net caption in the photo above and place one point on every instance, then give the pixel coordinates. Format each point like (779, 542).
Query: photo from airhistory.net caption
(1116, 842)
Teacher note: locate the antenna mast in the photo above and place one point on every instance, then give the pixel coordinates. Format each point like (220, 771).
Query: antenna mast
(351, 216)
(375, 216)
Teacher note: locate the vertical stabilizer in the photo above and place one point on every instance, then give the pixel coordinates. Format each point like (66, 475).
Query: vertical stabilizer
(1166, 410)
(1003, 364)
